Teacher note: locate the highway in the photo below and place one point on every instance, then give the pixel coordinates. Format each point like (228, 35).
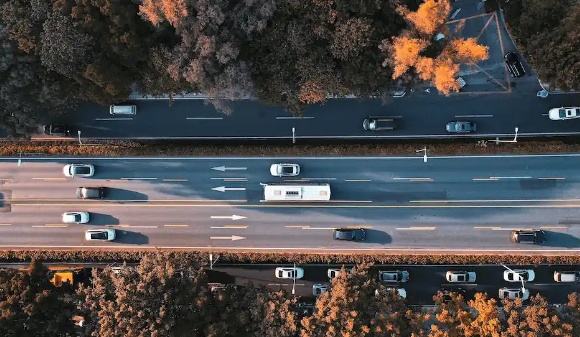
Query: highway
(420, 115)
(447, 204)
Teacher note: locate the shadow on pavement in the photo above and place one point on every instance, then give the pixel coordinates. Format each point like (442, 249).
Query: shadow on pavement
(216, 276)
(124, 195)
(536, 184)
(101, 219)
(375, 236)
(559, 239)
(132, 238)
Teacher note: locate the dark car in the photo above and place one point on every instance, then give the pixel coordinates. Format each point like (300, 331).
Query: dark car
(379, 123)
(533, 236)
(446, 293)
(460, 127)
(514, 65)
(97, 192)
(61, 130)
(349, 234)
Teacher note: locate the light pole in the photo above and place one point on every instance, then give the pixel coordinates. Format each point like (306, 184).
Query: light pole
(80, 143)
(294, 279)
(424, 150)
(521, 279)
(293, 136)
(211, 261)
(19, 158)
(515, 140)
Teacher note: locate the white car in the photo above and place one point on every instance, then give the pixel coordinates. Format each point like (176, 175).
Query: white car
(512, 294)
(285, 170)
(518, 275)
(332, 273)
(319, 289)
(79, 170)
(558, 114)
(75, 217)
(460, 276)
(289, 272)
(400, 291)
(100, 234)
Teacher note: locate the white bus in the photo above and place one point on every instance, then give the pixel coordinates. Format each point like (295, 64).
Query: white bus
(303, 192)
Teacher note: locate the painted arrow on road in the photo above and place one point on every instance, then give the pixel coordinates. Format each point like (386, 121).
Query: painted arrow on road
(223, 168)
(232, 217)
(233, 238)
(223, 189)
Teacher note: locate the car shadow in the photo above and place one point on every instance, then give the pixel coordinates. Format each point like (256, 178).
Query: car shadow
(217, 276)
(378, 237)
(101, 219)
(559, 239)
(124, 195)
(131, 238)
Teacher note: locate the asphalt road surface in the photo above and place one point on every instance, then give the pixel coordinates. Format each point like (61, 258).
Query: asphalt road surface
(448, 203)
(419, 116)
(424, 281)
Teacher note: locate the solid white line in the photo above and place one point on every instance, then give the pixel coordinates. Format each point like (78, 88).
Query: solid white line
(475, 116)
(416, 228)
(510, 177)
(205, 118)
(318, 178)
(228, 178)
(113, 119)
(357, 180)
(139, 178)
(412, 178)
(130, 226)
(294, 117)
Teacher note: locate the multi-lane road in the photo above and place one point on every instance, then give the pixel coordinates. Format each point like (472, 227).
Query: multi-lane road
(446, 204)
(420, 115)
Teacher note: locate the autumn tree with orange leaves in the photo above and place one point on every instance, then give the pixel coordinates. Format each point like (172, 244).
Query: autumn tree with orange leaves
(409, 51)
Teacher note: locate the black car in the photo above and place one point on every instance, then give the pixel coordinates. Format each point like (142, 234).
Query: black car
(95, 192)
(446, 293)
(533, 236)
(514, 65)
(61, 130)
(349, 234)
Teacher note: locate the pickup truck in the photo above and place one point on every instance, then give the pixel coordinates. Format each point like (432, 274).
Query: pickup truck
(379, 123)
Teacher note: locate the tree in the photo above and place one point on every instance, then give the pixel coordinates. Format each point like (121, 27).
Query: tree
(452, 318)
(486, 322)
(32, 306)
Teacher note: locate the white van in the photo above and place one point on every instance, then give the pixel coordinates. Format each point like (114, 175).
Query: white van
(123, 109)
(567, 276)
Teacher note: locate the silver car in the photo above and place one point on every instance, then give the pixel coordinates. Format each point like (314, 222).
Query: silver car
(79, 170)
(394, 276)
(100, 234)
(460, 276)
(513, 294)
(285, 170)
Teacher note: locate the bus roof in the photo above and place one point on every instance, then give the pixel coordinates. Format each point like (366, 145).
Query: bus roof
(290, 192)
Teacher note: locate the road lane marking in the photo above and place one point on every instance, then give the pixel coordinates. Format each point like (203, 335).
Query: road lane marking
(362, 226)
(232, 238)
(310, 206)
(323, 228)
(131, 226)
(296, 180)
(473, 116)
(225, 168)
(285, 117)
(175, 225)
(51, 179)
(413, 178)
(487, 227)
(7, 179)
(485, 179)
(51, 226)
(114, 119)
(231, 227)
(174, 179)
(555, 227)
(5, 224)
(510, 177)
(231, 178)
(204, 118)
(93, 201)
(551, 178)
(357, 180)
(138, 178)
(223, 189)
(294, 226)
(497, 200)
(231, 217)
(315, 201)
(319, 178)
(416, 228)
(422, 179)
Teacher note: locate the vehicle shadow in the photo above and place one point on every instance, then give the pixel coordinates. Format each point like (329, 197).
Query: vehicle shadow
(559, 239)
(376, 236)
(217, 276)
(124, 195)
(131, 238)
(101, 219)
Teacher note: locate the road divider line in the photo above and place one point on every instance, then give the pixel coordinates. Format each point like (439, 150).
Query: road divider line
(175, 225)
(357, 180)
(412, 178)
(231, 227)
(228, 178)
(416, 228)
(204, 118)
(286, 117)
(510, 177)
(131, 226)
(498, 200)
(235, 180)
(114, 119)
(7, 179)
(138, 178)
(174, 179)
(319, 178)
(296, 180)
(51, 179)
(551, 178)
(323, 228)
(362, 226)
(485, 179)
(232, 238)
(473, 116)
(224, 189)
(554, 227)
(486, 227)
(51, 226)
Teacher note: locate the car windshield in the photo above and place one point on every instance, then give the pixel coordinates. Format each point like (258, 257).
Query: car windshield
(82, 170)
(99, 236)
(460, 278)
(77, 217)
(562, 113)
(287, 169)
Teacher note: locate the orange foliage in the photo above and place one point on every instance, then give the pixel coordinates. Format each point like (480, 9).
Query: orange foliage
(311, 93)
(406, 53)
(425, 68)
(468, 51)
(157, 11)
(444, 76)
(429, 17)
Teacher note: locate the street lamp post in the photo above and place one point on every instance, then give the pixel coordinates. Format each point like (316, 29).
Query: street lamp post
(424, 150)
(80, 143)
(19, 158)
(294, 279)
(293, 136)
(515, 140)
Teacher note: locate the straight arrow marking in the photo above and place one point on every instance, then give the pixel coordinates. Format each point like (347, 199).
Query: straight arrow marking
(224, 168)
(223, 189)
(232, 217)
(233, 238)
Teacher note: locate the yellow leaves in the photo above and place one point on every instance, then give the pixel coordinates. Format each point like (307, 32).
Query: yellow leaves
(444, 76)
(406, 52)
(157, 11)
(467, 50)
(429, 17)
(311, 93)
